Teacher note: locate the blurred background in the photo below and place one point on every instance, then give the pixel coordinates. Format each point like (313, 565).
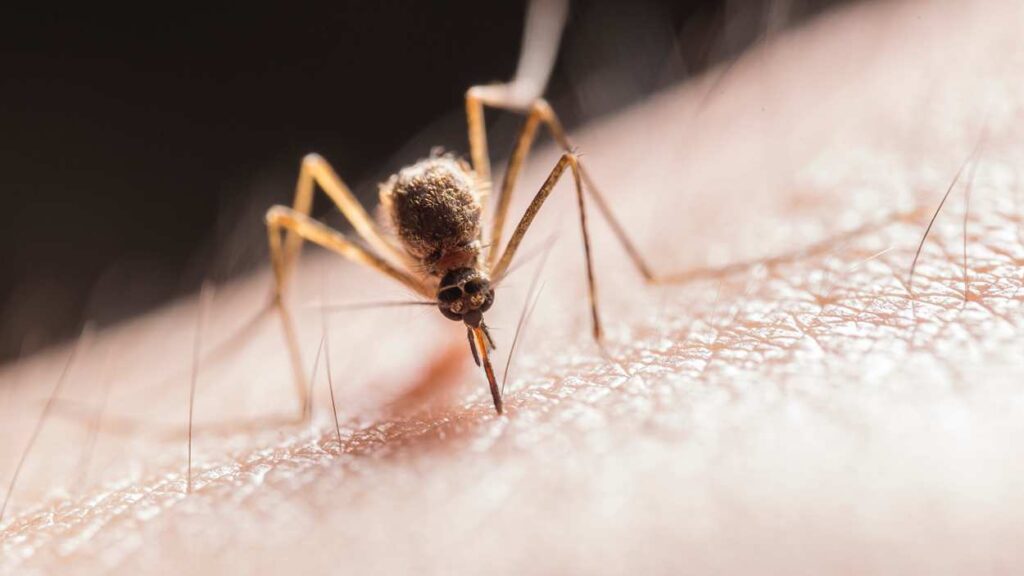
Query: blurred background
(141, 147)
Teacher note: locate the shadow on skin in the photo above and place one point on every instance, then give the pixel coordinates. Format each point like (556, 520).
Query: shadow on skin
(801, 414)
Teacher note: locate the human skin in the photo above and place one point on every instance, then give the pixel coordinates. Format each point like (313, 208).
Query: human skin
(809, 412)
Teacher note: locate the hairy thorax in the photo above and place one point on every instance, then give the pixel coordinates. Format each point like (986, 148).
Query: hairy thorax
(433, 207)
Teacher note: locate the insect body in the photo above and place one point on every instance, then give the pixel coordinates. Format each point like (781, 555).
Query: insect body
(435, 210)
(435, 207)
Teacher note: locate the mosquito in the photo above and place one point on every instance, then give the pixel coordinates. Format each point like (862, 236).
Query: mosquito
(433, 241)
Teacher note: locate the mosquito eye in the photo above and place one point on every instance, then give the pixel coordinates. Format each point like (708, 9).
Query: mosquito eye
(450, 294)
(473, 286)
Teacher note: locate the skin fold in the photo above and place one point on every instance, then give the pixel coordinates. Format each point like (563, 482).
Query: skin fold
(809, 411)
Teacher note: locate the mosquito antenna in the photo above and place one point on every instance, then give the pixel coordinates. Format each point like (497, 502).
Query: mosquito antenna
(532, 296)
(205, 296)
(83, 340)
(336, 307)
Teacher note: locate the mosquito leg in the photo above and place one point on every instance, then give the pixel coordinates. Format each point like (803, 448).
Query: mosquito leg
(568, 160)
(499, 97)
(294, 222)
(620, 233)
(557, 132)
(291, 341)
(540, 45)
(280, 218)
(316, 170)
(478, 152)
(542, 33)
(537, 112)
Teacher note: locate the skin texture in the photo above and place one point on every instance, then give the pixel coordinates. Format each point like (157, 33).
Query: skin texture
(811, 412)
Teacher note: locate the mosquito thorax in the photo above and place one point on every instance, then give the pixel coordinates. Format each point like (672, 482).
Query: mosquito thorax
(434, 208)
(464, 294)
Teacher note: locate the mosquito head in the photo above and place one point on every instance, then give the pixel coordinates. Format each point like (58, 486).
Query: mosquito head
(464, 295)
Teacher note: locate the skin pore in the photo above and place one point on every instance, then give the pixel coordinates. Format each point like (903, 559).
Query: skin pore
(811, 412)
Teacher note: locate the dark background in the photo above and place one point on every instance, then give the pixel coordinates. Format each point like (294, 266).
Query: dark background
(141, 146)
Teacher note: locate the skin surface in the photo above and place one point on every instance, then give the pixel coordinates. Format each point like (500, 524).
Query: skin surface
(810, 413)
